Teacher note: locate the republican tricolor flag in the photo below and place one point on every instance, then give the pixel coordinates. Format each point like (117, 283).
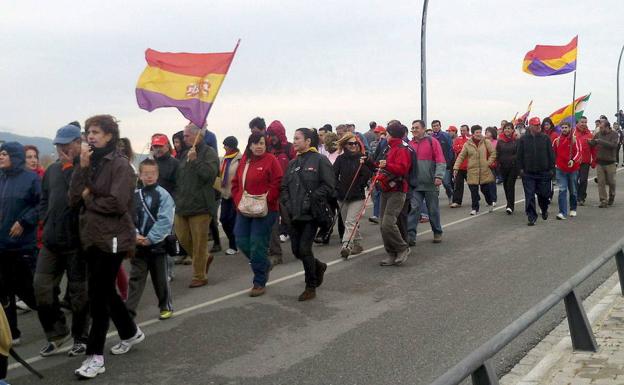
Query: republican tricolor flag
(188, 81)
(548, 60)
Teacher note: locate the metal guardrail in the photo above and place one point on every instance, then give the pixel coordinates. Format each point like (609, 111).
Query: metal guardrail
(478, 364)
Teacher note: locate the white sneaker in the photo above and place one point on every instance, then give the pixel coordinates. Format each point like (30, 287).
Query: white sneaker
(493, 203)
(231, 252)
(561, 216)
(402, 256)
(90, 368)
(509, 211)
(125, 345)
(21, 305)
(473, 212)
(491, 207)
(572, 213)
(284, 238)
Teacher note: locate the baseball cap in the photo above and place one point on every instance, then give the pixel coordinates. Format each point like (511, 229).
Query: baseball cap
(534, 121)
(67, 134)
(452, 129)
(159, 140)
(379, 130)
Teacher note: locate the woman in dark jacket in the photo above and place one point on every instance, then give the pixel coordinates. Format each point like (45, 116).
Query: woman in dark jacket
(506, 149)
(352, 174)
(308, 181)
(20, 191)
(178, 144)
(103, 186)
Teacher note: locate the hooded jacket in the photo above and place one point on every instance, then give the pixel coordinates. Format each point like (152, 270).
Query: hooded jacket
(481, 157)
(588, 153)
(180, 136)
(507, 151)
(20, 191)
(264, 176)
(284, 151)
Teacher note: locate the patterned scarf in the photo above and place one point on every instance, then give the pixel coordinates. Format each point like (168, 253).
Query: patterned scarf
(225, 166)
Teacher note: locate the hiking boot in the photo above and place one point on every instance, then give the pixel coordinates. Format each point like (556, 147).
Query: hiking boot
(215, 248)
(437, 238)
(308, 294)
(611, 201)
(320, 272)
(208, 262)
(198, 283)
(54, 345)
(90, 368)
(402, 257)
(345, 252)
(357, 249)
(165, 314)
(411, 242)
(256, 291)
(78, 349)
(124, 346)
(388, 261)
(531, 223)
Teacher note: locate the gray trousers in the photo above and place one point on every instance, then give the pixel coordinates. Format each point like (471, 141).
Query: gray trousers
(391, 207)
(50, 269)
(156, 265)
(606, 177)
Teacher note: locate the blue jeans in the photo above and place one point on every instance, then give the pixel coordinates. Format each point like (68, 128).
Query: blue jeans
(433, 204)
(447, 181)
(567, 183)
(252, 238)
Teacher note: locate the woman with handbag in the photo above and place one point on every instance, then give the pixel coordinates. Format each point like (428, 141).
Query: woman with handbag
(308, 184)
(255, 190)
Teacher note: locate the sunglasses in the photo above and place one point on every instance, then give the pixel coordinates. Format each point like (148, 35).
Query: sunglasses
(352, 143)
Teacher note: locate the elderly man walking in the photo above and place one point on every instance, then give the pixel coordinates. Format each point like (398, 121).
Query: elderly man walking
(195, 201)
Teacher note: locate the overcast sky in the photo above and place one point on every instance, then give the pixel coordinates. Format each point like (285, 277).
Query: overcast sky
(305, 63)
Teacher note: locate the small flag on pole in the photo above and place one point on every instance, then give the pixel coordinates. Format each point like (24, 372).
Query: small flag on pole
(565, 113)
(548, 60)
(188, 81)
(523, 118)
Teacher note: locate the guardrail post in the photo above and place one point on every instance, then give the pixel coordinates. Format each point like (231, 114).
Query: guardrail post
(580, 329)
(619, 261)
(485, 375)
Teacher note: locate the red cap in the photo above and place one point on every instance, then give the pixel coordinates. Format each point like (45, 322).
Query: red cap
(159, 140)
(379, 130)
(534, 121)
(452, 129)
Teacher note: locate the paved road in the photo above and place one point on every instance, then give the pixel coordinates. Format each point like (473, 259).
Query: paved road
(368, 325)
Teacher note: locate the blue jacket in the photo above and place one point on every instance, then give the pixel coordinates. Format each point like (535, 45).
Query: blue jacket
(211, 139)
(20, 190)
(447, 147)
(161, 207)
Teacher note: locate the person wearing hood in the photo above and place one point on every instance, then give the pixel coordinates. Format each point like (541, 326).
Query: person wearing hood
(20, 191)
(179, 146)
(227, 171)
(102, 186)
(61, 252)
(567, 162)
(549, 129)
(506, 151)
(481, 157)
(352, 174)
(279, 146)
(462, 173)
(588, 154)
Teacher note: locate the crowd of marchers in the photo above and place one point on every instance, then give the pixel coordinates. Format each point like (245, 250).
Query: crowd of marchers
(94, 207)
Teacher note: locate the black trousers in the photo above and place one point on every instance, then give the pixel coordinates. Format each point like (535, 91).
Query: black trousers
(458, 191)
(536, 184)
(474, 194)
(104, 302)
(509, 175)
(227, 217)
(51, 265)
(582, 181)
(301, 238)
(15, 279)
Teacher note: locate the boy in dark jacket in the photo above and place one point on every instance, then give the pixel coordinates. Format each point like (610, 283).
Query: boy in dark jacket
(20, 191)
(153, 218)
(61, 252)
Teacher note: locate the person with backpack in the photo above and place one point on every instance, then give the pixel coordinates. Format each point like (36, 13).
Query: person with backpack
(306, 187)
(279, 146)
(153, 218)
(428, 168)
(352, 175)
(567, 162)
(394, 167)
(481, 157)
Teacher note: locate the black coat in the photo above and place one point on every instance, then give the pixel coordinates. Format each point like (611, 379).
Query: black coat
(167, 168)
(60, 221)
(535, 153)
(506, 153)
(345, 168)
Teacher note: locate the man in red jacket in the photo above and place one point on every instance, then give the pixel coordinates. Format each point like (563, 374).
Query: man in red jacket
(394, 170)
(567, 162)
(583, 136)
(458, 144)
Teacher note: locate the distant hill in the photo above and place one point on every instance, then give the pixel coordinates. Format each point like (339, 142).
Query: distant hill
(44, 145)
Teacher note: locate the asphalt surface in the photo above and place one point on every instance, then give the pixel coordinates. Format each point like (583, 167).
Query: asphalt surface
(368, 324)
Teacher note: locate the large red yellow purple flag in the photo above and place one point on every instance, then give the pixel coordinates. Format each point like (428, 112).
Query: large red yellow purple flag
(547, 60)
(188, 81)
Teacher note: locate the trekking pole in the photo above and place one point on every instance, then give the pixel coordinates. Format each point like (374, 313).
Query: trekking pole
(25, 364)
(330, 229)
(347, 250)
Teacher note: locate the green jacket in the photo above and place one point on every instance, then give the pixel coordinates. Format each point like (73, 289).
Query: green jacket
(194, 180)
